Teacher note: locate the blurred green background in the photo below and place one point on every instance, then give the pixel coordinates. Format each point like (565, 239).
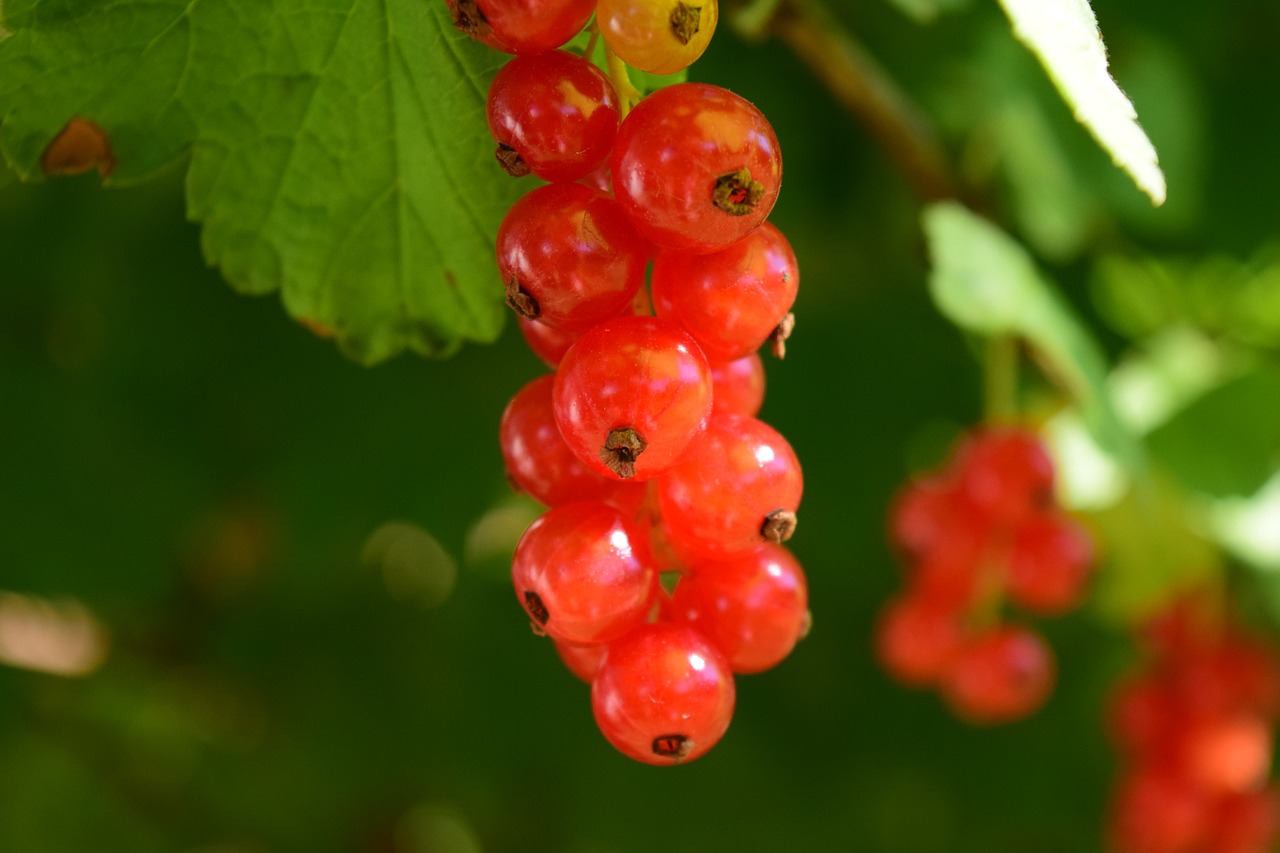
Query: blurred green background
(202, 475)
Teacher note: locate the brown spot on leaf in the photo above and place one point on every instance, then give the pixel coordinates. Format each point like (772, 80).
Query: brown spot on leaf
(450, 279)
(80, 146)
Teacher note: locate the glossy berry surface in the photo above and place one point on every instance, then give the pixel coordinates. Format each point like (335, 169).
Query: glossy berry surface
(663, 695)
(568, 257)
(521, 26)
(552, 114)
(696, 167)
(582, 661)
(538, 461)
(583, 574)
(738, 386)
(999, 676)
(658, 36)
(731, 300)
(631, 395)
(753, 608)
(737, 488)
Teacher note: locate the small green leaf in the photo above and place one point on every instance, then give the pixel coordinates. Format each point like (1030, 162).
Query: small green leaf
(1192, 447)
(1064, 35)
(986, 283)
(339, 153)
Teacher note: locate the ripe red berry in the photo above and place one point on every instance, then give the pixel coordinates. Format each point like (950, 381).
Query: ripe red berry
(753, 608)
(999, 676)
(582, 661)
(695, 167)
(521, 26)
(737, 488)
(658, 36)
(583, 574)
(631, 395)
(916, 640)
(731, 300)
(738, 386)
(553, 114)
(1049, 561)
(538, 461)
(1006, 473)
(663, 694)
(568, 257)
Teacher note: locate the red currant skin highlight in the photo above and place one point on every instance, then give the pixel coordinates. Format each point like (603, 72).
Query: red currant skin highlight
(753, 608)
(732, 300)
(658, 36)
(568, 257)
(696, 167)
(999, 676)
(663, 694)
(737, 488)
(631, 395)
(538, 461)
(583, 574)
(521, 26)
(553, 114)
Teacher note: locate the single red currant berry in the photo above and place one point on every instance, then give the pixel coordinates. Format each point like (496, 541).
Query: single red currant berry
(521, 26)
(663, 694)
(999, 676)
(1006, 473)
(553, 114)
(695, 167)
(583, 574)
(658, 36)
(1142, 718)
(1049, 562)
(916, 640)
(568, 257)
(1229, 753)
(738, 386)
(547, 342)
(732, 300)
(737, 488)
(924, 515)
(539, 463)
(753, 608)
(1156, 810)
(1246, 823)
(631, 394)
(582, 661)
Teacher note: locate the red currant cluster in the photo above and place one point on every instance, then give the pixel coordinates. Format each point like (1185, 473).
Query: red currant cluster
(1196, 730)
(644, 443)
(983, 528)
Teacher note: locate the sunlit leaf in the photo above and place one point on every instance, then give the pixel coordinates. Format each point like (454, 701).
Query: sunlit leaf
(1064, 35)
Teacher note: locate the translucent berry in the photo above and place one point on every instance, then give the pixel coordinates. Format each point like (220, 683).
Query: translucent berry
(916, 640)
(663, 695)
(732, 300)
(583, 574)
(568, 257)
(1006, 473)
(738, 386)
(753, 608)
(553, 114)
(631, 395)
(695, 167)
(582, 661)
(521, 26)
(1049, 561)
(737, 488)
(658, 36)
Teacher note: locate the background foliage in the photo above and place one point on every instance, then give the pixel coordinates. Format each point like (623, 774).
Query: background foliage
(204, 475)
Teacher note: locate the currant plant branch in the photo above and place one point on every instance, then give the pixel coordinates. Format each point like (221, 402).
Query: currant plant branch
(861, 86)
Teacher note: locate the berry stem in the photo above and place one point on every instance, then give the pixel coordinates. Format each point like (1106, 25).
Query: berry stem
(628, 94)
(590, 50)
(1000, 379)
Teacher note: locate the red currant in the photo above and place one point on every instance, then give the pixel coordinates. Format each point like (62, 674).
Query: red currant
(553, 114)
(696, 167)
(738, 386)
(733, 300)
(916, 640)
(568, 257)
(583, 574)
(663, 694)
(521, 26)
(631, 394)
(658, 36)
(582, 661)
(999, 676)
(1048, 564)
(1006, 473)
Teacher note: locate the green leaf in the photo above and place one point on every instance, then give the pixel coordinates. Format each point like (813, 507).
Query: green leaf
(986, 283)
(927, 11)
(1064, 35)
(339, 152)
(1193, 446)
